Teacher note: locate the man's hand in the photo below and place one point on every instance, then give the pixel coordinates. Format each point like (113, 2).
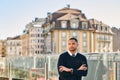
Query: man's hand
(63, 68)
(83, 67)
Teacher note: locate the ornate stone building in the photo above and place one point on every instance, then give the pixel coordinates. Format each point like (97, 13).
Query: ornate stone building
(116, 39)
(93, 35)
(13, 46)
(34, 37)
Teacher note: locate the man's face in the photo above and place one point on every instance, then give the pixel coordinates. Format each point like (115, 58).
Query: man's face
(72, 45)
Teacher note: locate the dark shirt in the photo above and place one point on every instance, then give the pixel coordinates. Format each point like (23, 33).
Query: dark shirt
(72, 62)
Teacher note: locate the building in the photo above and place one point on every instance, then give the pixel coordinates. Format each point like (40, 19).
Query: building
(2, 48)
(13, 46)
(35, 38)
(102, 36)
(1, 45)
(116, 39)
(93, 35)
(25, 43)
(2, 55)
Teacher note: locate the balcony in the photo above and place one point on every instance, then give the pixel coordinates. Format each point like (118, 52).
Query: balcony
(103, 39)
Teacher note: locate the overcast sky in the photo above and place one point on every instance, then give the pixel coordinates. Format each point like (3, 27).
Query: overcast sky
(15, 14)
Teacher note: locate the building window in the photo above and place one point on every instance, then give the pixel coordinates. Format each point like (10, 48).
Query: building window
(102, 36)
(84, 35)
(63, 43)
(99, 47)
(18, 44)
(108, 37)
(84, 25)
(64, 24)
(84, 44)
(96, 26)
(74, 34)
(74, 25)
(38, 35)
(99, 27)
(38, 46)
(106, 28)
(105, 37)
(63, 34)
(42, 35)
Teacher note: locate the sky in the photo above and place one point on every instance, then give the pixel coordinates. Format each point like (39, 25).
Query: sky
(15, 14)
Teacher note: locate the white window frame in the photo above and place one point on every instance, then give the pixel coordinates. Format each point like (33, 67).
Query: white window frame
(63, 34)
(84, 25)
(74, 34)
(63, 43)
(84, 43)
(74, 25)
(64, 24)
(84, 35)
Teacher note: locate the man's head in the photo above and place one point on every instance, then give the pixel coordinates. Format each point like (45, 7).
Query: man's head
(72, 44)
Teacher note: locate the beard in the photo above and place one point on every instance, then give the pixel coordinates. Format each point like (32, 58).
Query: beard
(72, 49)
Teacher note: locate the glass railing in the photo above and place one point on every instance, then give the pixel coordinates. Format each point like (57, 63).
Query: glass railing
(102, 66)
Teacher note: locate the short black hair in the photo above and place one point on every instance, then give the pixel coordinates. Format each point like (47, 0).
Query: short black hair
(74, 39)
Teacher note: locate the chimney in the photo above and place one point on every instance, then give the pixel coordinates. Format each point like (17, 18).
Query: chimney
(68, 5)
(48, 13)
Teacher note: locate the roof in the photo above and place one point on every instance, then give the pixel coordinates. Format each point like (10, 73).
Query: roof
(68, 14)
(94, 21)
(69, 10)
(13, 38)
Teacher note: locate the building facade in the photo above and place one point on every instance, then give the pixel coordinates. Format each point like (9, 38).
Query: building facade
(116, 39)
(2, 54)
(93, 35)
(35, 38)
(2, 48)
(103, 36)
(14, 46)
(25, 43)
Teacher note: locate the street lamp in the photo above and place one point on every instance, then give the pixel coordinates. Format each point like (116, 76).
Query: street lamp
(9, 69)
(45, 52)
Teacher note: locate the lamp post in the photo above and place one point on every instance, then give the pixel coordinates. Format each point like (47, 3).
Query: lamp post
(45, 52)
(9, 70)
(117, 41)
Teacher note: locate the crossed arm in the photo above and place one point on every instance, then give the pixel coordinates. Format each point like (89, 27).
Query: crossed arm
(81, 71)
(65, 71)
(63, 68)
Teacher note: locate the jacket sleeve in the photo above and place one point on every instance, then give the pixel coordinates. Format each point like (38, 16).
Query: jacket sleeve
(81, 72)
(61, 62)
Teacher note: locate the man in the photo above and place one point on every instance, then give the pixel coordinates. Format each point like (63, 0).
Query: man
(71, 64)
